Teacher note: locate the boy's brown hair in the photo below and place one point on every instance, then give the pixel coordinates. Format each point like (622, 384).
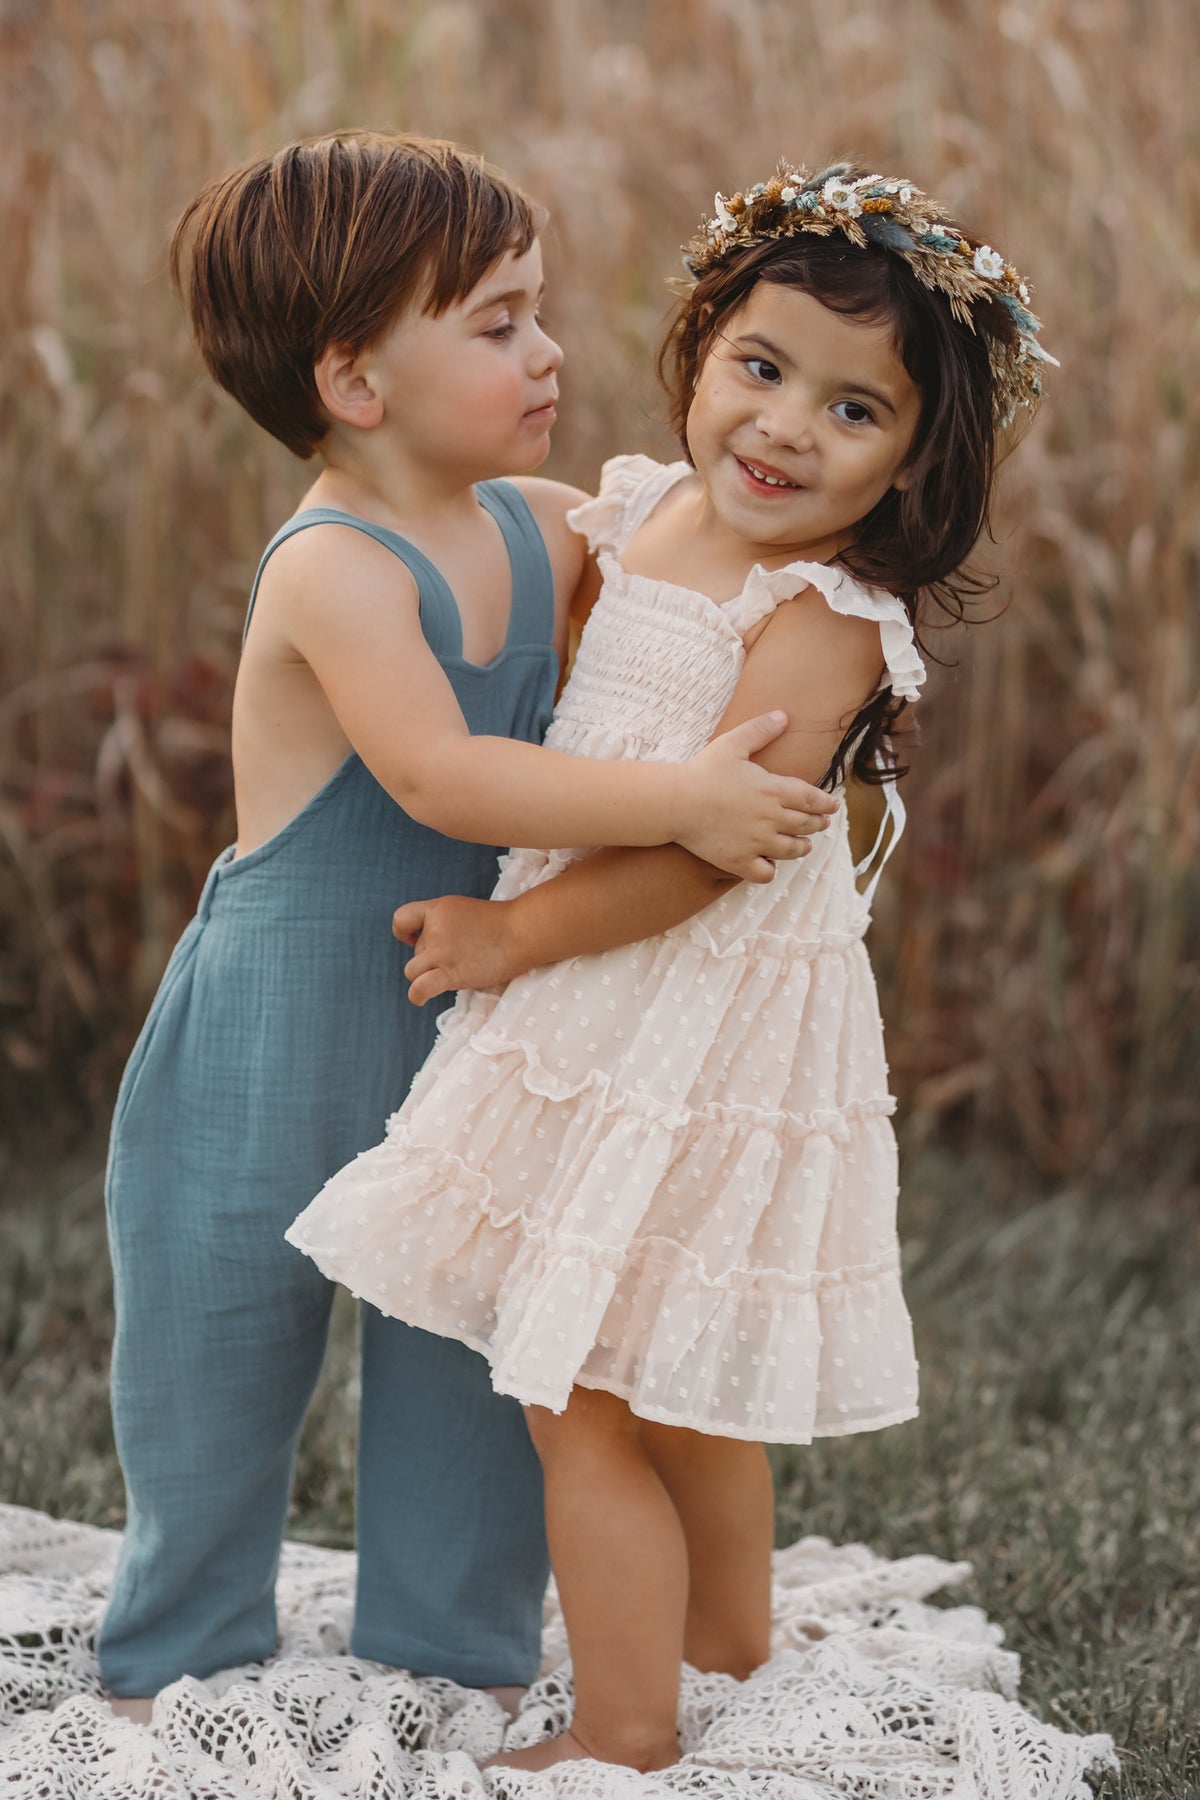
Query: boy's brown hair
(325, 243)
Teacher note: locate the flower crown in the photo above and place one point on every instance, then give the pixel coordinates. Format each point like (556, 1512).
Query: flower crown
(870, 209)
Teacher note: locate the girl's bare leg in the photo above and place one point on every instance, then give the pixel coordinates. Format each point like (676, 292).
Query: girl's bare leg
(620, 1563)
(721, 1490)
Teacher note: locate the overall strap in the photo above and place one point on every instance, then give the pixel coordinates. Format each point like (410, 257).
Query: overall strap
(440, 624)
(531, 620)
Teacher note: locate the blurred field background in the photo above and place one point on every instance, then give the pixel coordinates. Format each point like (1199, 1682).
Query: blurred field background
(1038, 935)
(1039, 942)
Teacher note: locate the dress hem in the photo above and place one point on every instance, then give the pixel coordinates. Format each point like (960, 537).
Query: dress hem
(654, 1415)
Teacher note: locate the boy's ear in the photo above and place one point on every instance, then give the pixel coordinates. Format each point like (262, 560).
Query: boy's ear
(348, 392)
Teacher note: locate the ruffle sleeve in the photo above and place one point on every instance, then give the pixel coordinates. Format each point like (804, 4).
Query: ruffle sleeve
(629, 485)
(768, 588)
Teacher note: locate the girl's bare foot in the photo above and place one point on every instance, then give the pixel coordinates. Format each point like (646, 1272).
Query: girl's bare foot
(564, 1748)
(569, 1748)
(139, 1709)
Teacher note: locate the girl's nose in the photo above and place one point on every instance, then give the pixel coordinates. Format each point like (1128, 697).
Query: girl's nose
(787, 421)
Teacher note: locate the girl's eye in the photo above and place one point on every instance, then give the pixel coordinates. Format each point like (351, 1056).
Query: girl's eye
(500, 332)
(855, 413)
(762, 370)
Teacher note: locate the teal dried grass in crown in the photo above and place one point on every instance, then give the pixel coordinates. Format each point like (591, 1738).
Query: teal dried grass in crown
(896, 216)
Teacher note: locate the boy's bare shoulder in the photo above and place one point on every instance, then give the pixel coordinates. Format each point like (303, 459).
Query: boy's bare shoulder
(550, 502)
(329, 560)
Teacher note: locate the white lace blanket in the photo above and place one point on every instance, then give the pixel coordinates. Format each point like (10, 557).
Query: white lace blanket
(870, 1693)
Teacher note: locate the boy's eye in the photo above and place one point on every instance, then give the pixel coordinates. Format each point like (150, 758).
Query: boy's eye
(853, 412)
(762, 370)
(500, 332)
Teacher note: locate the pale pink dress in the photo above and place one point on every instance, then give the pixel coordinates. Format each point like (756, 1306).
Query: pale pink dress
(669, 1170)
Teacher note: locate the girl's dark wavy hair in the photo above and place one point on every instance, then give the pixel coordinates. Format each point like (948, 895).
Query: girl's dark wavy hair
(915, 541)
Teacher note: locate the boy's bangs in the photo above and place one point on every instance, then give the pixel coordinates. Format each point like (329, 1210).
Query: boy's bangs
(501, 220)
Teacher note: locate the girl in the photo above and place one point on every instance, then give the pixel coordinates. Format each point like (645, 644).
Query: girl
(373, 300)
(656, 1185)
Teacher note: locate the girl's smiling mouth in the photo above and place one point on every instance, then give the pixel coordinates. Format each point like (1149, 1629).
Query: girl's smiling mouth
(762, 477)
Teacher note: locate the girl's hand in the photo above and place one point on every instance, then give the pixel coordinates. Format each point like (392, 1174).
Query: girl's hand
(457, 943)
(741, 818)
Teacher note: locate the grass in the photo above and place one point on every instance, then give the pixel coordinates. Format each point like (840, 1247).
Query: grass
(1058, 1447)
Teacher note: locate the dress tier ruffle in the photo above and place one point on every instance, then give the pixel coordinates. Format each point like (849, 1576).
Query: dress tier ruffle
(669, 1170)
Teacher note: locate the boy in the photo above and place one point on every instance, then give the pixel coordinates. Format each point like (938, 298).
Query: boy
(374, 300)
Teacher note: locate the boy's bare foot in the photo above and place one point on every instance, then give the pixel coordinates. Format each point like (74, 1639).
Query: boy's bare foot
(569, 1748)
(138, 1709)
(508, 1699)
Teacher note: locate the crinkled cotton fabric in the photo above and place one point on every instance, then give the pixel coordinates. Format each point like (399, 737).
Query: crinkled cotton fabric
(667, 1171)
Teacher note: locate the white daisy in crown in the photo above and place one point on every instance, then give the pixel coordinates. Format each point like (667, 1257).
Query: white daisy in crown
(989, 263)
(842, 197)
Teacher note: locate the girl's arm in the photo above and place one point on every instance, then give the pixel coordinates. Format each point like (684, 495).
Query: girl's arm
(350, 617)
(821, 665)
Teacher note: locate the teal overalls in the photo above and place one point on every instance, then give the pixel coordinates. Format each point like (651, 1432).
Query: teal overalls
(279, 1042)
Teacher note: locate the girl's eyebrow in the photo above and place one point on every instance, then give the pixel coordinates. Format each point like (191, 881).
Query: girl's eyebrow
(772, 350)
(850, 386)
(505, 298)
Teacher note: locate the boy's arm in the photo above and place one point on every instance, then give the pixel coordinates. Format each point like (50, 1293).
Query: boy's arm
(824, 664)
(349, 618)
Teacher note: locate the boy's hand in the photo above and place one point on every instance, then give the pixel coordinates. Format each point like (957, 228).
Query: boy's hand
(740, 817)
(457, 943)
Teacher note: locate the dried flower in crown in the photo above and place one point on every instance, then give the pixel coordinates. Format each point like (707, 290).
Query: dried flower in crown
(896, 216)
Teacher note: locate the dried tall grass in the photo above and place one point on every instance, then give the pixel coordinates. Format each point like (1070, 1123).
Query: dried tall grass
(1039, 941)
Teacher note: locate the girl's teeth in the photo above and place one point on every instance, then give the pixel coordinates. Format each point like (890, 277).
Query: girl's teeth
(771, 480)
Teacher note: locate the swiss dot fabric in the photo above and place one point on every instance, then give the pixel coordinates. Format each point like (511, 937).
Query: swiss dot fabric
(669, 1170)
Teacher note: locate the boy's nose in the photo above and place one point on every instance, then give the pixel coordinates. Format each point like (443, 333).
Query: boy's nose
(548, 355)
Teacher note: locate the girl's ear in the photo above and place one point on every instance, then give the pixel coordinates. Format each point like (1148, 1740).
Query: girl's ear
(347, 388)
